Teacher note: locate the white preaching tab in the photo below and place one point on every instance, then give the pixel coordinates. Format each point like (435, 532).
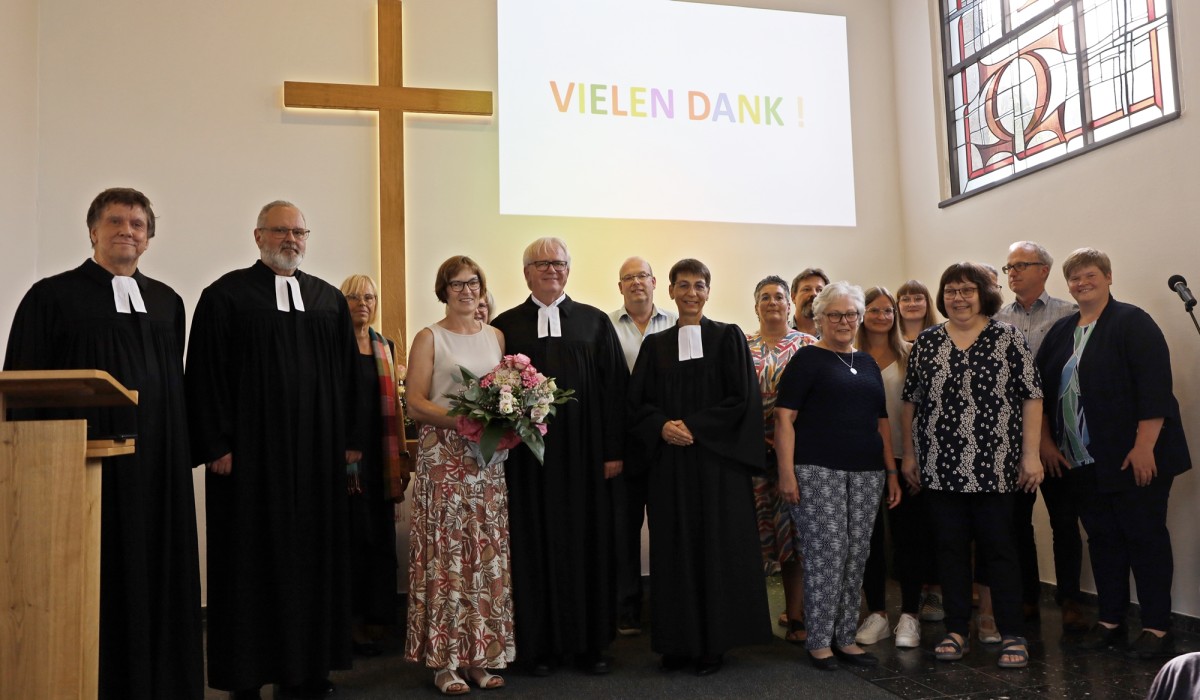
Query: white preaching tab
(125, 294)
(549, 324)
(690, 347)
(281, 293)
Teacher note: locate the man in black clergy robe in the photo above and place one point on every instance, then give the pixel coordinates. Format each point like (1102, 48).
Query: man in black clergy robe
(560, 513)
(105, 314)
(696, 412)
(270, 391)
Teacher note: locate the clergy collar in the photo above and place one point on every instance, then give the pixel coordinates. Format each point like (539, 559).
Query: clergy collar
(548, 321)
(691, 346)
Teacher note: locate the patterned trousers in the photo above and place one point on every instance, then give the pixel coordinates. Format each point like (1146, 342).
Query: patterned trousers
(834, 520)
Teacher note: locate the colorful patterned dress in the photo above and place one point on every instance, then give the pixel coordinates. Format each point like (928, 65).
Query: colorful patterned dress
(775, 530)
(459, 582)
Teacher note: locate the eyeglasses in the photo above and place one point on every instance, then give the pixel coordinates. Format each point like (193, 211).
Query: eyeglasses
(457, 285)
(639, 277)
(964, 292)
(1019, 266)
(542, 265)
(283, 231)
(367, 298)
(881, 312)
(837, 317)
(685, 287)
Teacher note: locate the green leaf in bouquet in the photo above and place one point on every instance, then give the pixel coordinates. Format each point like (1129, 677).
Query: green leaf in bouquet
(536, 445)
(492, 433)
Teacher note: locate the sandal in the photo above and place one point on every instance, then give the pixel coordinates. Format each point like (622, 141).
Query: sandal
(484, 679)
(1008, 648)
(783, 619)
(796, 633)
(986, 629)
(447, 679)
(958, 647)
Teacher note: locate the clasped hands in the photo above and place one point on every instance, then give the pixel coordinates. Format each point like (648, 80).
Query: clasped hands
(674, 432)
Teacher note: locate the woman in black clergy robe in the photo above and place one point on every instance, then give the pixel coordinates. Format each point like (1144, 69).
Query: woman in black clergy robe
(700, 423)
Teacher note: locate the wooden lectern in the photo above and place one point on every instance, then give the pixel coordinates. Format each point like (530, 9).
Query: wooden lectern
(50, 533)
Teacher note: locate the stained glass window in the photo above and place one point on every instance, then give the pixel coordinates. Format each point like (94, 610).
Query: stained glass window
(1029, 82)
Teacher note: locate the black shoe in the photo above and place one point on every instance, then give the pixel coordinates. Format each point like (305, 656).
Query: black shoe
(594, 664)
(308, 690)
(708, 665)
(629, 626)
(673, 662)
(862, 659)
(367, 649)
(1101, 637)
(251, 694)
(1151, 646)
(542, 667)
(829, 663)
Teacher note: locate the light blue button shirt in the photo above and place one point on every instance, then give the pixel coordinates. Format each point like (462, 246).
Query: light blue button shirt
(1035, 322)
(629, 335)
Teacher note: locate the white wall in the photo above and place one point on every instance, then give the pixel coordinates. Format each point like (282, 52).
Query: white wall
(184, 101)
(1134, 199)
(19, 159)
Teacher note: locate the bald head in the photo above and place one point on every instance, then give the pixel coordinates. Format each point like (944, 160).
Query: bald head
(636, 283)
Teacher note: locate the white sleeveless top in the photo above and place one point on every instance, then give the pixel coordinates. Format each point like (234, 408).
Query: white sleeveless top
(478, 352)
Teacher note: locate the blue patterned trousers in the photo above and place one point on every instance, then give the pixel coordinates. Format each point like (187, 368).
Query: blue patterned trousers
(834, 520)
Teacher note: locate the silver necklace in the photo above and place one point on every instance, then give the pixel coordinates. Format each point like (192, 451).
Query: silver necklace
(849, 364)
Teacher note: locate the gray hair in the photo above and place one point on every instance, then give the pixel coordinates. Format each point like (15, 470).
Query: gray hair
(262, 213)
(839, 290)
(1042, 254)
(545, 243)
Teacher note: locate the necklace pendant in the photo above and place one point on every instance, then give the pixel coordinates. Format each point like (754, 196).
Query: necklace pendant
(853, 371)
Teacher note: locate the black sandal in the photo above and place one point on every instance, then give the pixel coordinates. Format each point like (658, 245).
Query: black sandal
(795, 626)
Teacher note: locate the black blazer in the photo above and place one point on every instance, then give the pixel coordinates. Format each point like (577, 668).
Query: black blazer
(1124, 377)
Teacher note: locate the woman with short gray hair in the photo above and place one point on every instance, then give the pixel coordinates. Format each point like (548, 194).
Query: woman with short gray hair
(834, 455)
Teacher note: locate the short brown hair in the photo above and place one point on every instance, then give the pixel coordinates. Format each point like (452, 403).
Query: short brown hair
(120, 195)
(450, 268)
(974, 273)
(1084, 257)
(809, 272)
(692, 266)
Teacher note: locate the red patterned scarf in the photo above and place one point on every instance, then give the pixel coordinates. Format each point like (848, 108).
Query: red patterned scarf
(395, 472)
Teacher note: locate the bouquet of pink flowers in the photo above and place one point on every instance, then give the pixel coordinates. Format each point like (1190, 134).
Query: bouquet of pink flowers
(507, 406)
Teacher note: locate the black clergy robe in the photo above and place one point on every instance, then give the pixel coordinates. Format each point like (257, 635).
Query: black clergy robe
(150, 623)
(560, 513)
(707, 592)
(275, 389)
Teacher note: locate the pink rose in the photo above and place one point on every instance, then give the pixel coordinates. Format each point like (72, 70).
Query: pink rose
(509, 441)
(469, 428)
(518, 361)
(542, 428)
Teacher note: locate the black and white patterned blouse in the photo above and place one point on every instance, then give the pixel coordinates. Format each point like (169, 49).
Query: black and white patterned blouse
(967, 422)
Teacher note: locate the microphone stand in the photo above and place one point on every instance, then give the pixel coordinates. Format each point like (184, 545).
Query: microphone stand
(1193, 315)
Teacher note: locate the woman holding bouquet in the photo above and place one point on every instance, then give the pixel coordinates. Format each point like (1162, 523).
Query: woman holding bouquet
(695, 408)
(459, 586)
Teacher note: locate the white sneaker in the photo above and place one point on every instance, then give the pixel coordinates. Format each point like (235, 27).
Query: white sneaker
(873, 629)
(931, 609)
(908, 632)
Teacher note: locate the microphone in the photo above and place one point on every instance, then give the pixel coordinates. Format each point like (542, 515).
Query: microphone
(1179, 285)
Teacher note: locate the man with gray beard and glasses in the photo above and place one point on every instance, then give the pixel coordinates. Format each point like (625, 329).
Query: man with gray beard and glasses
(270, 397)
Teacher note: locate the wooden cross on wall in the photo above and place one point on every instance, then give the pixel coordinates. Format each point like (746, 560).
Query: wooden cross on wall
(391, 99)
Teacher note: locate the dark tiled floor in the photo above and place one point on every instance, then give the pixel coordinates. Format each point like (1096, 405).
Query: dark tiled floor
(1056, 669)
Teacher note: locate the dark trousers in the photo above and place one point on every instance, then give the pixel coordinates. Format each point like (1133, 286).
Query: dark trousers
(1068, 545)
(1031, 582)
(629, 512)
(913, 560)
(987, 519)
(1127, 531)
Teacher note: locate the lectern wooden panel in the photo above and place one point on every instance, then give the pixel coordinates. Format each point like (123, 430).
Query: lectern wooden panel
(50, 534)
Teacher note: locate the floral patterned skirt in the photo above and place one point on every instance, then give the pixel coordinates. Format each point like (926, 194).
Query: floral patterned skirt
(459, 582)
(776, 533)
